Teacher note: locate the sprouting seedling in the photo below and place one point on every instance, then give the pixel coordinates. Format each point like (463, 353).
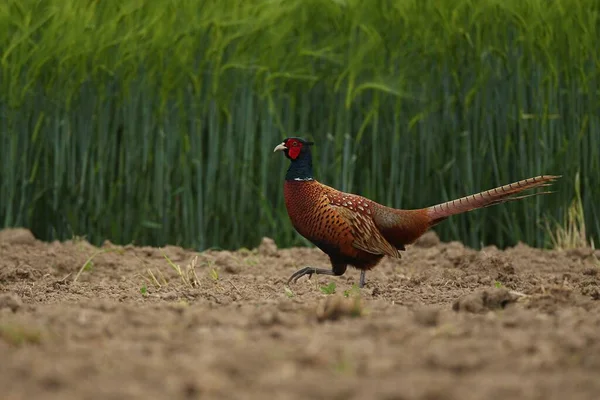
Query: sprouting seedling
(288, 292)
(354, 290)
(497, 284)
(214, 274)
(88, 264)
(328, 289)
(144, 290)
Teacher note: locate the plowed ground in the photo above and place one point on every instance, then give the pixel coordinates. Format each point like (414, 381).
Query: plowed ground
(444, 322)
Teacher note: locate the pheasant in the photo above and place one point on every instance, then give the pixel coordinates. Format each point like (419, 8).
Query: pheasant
(353, 230)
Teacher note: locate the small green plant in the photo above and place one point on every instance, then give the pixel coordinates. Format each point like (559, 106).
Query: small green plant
(497, 284)
(354, 291)
(214, 274)
(144, 290)
(288, 292)
(343, 366)
(251, 261)
(88, 264)
(328, 289)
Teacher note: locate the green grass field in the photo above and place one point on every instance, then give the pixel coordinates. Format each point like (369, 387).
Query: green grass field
(155, 121)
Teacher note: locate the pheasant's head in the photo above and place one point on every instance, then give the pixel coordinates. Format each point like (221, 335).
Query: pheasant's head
(294, 148)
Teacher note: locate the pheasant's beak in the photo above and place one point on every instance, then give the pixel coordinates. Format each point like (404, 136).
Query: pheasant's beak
(279, 147)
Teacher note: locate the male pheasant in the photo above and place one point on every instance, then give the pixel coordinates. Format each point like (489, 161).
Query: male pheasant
(353, 230)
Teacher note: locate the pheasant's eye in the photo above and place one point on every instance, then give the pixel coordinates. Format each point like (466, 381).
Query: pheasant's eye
(294, 144)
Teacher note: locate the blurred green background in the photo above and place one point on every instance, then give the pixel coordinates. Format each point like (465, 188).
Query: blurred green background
(155, 121)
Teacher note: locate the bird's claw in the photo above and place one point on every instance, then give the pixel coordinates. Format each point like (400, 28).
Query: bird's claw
(300, 273)
(308, 271)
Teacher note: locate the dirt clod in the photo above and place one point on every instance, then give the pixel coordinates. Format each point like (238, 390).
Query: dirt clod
(16, 236)
(11, 301)
(553, 298)
(335, 307)
(594, 293)
(427, 316)
(580, 252)
(267, 247)
(233, 268)
(228, 261)
(484, 300)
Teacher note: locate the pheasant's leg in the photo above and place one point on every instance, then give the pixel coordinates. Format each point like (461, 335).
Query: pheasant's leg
(361, 283)
(309, 271)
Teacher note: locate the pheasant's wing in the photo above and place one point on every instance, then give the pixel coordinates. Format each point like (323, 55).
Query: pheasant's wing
(367, 236)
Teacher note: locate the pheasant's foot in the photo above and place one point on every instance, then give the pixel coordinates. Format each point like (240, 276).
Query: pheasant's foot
(361, 282)
(308, 271)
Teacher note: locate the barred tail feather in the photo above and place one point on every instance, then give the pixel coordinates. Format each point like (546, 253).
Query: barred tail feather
(440, 212)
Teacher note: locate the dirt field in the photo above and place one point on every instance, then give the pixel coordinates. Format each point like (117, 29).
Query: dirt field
(444, 322)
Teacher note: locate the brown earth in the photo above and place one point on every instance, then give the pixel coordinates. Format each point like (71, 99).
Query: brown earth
(444, 322)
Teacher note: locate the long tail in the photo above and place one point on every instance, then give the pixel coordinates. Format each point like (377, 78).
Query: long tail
(440, 212)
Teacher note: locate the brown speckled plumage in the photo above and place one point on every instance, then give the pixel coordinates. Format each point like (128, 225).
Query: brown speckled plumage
(353, 230)
(349, 228)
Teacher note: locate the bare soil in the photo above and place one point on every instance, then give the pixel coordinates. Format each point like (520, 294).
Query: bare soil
(444, 322)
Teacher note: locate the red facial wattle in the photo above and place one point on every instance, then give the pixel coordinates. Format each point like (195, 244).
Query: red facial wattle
(294, 149)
